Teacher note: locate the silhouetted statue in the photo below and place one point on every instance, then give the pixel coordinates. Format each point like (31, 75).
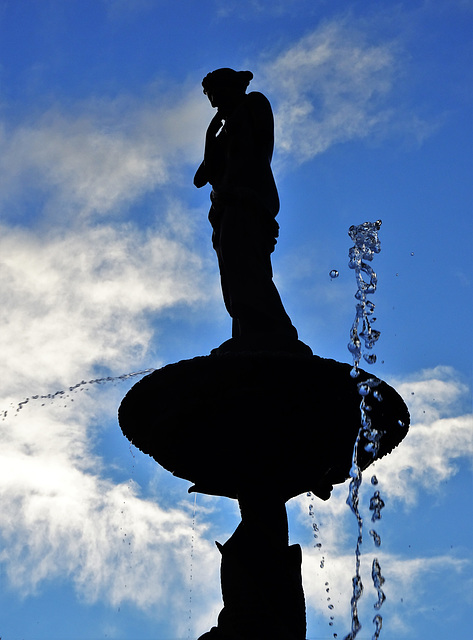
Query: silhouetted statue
(272, 420)
(237, 163)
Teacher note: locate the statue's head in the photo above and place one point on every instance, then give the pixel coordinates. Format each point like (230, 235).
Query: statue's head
(224, 87)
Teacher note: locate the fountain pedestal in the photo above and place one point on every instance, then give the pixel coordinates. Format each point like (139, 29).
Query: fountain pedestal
(278, 422)
(262, 591)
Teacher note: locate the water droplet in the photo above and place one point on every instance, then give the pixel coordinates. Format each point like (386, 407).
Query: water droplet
(374, 480)
(330, 606)
(333, 274)
(412, 253)
(369, 307)
(378, 622)
(378, 582)
(376, 538)
(376, 504)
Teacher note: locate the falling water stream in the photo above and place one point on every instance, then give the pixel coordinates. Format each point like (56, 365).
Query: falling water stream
(362, 340)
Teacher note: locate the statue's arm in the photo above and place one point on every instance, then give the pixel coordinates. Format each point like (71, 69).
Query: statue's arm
(205, 170)
(256, 112)
(263, 121)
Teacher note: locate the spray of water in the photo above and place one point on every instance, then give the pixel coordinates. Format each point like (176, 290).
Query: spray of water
(63, 393)
(362, 341)
(318, 545)
(362, 335)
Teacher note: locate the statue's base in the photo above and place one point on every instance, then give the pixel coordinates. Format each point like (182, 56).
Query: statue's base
(262, 591)
(274, 343)
(281, 420)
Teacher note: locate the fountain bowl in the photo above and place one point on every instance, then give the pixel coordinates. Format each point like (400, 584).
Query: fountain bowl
(285, 422)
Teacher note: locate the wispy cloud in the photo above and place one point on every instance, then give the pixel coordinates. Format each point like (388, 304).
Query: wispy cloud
(83, 293)
(72, 300)
(404, 589)
(63, 517)
(335, 85)
(103, 155)
(441, 434)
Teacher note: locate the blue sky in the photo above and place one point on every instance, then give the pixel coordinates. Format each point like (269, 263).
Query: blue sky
(106, 268)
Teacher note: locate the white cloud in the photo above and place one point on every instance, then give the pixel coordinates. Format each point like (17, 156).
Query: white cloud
(62, 518)
(441, 434)
(72, 300)
(404, 588)
(80, 294)
(104, 155)
(333, 86)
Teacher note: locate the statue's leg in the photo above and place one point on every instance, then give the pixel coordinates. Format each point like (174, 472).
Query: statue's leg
(225, 280)
(249, 292)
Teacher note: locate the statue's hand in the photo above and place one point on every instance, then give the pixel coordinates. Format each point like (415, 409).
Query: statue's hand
(214, 126)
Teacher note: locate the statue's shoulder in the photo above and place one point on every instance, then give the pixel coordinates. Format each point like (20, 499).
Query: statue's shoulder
(258, 100)
(260, 108)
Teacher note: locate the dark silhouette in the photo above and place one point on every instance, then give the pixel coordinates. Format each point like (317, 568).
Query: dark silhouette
(237, 163)
(261, 428)
(261, 419)
(258, 586)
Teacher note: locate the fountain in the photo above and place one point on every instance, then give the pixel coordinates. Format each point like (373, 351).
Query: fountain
(261, 412)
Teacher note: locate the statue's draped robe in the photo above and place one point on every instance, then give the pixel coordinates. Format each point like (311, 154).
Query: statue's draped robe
(245, 202)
